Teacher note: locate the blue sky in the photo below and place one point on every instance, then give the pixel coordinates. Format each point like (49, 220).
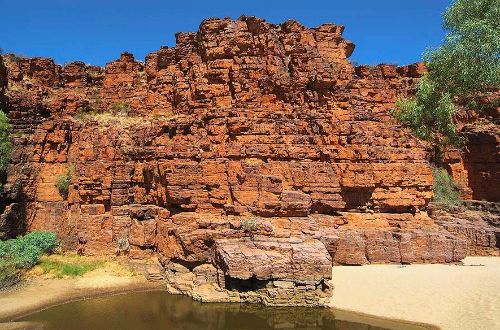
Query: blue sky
(97, 31)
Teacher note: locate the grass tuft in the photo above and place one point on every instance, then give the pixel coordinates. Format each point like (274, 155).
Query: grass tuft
(250, 224)
(61, 267)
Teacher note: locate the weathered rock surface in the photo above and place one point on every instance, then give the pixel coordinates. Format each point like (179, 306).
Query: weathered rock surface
(477, 167)
(477, 222)
(243, 122)
(276, 259)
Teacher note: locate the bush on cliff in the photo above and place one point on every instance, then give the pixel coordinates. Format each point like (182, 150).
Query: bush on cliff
(461, 70)
(63, 182)
(22, 253)
(121, 109)
(435, 125)
(445, 189)
(5, 144)
(250, 224)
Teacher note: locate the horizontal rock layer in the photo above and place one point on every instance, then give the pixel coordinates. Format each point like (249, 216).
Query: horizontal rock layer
(244, 131)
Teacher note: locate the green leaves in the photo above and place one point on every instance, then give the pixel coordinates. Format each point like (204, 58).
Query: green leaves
(468, 62)
(5, 144)
(63, 182)
(430, 114)
(23, 253)
(461, 70)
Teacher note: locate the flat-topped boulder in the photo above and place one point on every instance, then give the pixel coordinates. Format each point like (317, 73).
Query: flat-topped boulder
(277, 272)
(291, 259)
(271, 271)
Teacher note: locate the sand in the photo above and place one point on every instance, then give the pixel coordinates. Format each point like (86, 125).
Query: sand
(448, 296)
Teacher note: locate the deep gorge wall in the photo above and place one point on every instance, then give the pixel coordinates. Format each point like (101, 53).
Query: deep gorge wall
(243, 122)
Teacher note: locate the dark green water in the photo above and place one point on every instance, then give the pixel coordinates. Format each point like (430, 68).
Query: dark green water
(159, 310)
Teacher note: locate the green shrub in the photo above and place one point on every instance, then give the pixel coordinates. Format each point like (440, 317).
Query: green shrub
(22, 253)
(445, 189)
(25, 251)
(430, 115)
(45, 241)
(63, 182)
(5, 144)
(250, 224)
(461, 71)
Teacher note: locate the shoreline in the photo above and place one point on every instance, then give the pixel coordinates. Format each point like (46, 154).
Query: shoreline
(8, 319)
(446, 296)
(39, 294)
(422, 296)
(69, 291)
(381, 321)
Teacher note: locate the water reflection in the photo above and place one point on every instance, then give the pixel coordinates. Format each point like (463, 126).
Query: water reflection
(159, 310)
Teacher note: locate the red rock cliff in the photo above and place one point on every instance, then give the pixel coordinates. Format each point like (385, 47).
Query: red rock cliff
(243, 122)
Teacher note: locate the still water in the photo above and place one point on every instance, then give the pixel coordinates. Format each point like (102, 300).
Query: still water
(160, 310)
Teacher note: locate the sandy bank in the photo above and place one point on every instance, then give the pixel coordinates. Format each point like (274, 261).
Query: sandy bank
(449, 296)
(39, 293)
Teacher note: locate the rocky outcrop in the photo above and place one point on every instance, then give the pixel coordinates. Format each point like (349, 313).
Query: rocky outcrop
(475, 221)
(476, 168)
(245, 135)
(274, 272)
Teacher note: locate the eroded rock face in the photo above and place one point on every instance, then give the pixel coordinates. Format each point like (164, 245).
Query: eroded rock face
(242, 122)
(475, 221)
(277, 272)
(476, 168)
(285, 259)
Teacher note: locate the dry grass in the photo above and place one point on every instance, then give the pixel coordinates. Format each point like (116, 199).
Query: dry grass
(250, 224)
(107, 118)
(121, 119)
(73, 265)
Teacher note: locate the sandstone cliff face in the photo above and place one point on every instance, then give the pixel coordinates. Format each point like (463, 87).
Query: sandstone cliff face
(243, 130)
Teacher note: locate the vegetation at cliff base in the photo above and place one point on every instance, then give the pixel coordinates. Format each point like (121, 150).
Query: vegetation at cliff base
(61, 266)
(22, 253)
(445, 189)
(70, 265)
(461, 70)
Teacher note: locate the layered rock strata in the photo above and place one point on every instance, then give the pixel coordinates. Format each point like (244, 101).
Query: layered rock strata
(477, 222)
(245, 136)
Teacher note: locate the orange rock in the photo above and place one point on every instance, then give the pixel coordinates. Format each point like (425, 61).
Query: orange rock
(243, 118)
